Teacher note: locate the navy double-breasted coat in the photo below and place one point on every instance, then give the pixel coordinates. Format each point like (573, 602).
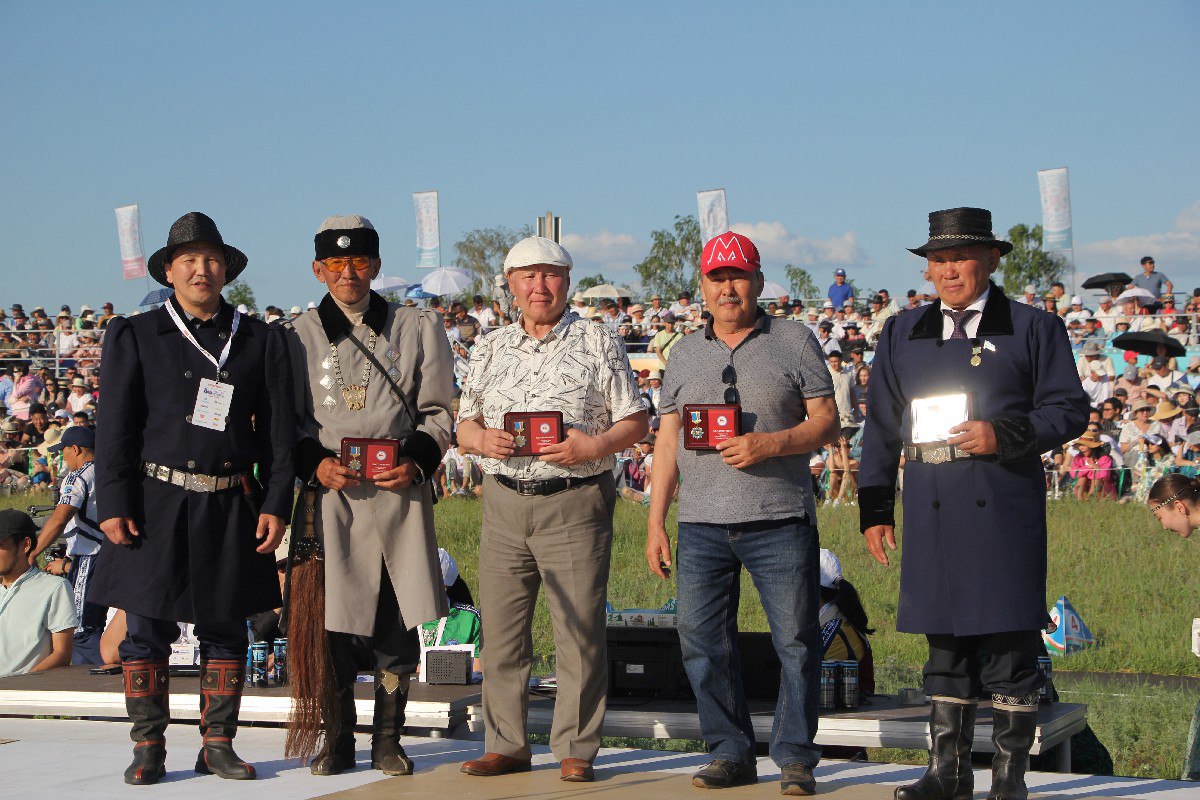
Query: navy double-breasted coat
(974, 555)
(195, 559)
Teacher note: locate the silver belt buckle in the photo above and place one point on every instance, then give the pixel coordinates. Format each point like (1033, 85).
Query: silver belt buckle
(163, 473)
(935, 454)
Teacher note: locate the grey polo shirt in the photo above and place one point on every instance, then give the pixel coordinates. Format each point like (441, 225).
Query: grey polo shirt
(778, 365)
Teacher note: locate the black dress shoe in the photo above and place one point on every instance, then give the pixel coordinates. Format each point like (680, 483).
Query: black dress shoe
(721, 774)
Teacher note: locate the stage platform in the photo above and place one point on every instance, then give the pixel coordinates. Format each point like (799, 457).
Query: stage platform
(56, 758)
(883, 723)
(455, 711)
(72, 692)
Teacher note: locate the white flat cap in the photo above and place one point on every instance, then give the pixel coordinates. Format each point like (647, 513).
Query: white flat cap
(536, 250)
(831, 569)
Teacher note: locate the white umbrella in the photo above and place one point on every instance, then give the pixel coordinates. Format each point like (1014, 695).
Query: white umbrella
(446, 280)
(1143, 296)
(772, 291)
(607, 290)
(385, 285)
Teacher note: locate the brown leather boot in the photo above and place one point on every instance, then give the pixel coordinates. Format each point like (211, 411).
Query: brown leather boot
(147, 685)
(221, 684)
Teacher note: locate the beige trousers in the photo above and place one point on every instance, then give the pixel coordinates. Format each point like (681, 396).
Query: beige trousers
(562, 541)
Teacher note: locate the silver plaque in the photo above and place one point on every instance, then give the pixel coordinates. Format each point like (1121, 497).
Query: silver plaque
(933, 417)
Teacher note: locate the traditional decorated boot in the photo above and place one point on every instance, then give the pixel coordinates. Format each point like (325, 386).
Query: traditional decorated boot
(147, 700)
(221, 684)
(1014, 723)
(391, 696)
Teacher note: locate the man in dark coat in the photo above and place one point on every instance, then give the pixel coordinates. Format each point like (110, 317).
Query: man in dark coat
(196, 396)
(973, 576)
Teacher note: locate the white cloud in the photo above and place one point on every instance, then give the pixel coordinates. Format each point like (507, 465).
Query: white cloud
(777, 244)
(604, 247)
(1178, 248)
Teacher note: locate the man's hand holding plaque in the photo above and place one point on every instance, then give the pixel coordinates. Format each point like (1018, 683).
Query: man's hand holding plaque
(706, 425)
(534, 431)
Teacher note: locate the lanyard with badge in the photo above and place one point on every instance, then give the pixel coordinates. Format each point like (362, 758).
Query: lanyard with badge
(214, 398)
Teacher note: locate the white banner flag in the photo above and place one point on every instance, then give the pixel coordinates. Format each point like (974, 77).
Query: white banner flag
(714, 215)
(428, 235)
(129, 234)
(1056, 208)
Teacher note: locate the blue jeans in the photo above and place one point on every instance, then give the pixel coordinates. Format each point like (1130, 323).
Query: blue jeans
(781, 556)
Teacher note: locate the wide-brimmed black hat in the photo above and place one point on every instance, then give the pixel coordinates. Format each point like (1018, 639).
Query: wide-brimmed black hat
(959, 227)
(194, 227)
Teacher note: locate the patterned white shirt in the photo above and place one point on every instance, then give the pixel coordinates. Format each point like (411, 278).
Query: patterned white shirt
(580, 368)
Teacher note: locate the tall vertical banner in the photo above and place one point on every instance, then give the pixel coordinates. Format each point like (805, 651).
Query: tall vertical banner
(129, 234)
(429, 246)
(714, 214)
(1056, 209)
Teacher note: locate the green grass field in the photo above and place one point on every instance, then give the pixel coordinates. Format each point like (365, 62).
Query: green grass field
(1134, 585)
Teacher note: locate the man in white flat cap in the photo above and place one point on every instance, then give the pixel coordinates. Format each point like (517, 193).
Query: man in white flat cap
(547, 504)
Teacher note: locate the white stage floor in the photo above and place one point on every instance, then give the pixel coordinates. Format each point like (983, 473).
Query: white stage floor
(49, 758)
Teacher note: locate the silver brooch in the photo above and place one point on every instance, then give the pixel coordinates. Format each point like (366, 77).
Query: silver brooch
(343, 242)
(392, 355)
(329, 403)
(395, 373)
(327, 382)
(327, 363)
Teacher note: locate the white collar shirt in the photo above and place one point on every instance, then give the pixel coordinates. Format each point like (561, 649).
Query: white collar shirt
(580, 368)
(971, 327)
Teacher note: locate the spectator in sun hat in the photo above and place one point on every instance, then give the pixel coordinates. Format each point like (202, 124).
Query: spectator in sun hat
(1107, 314)
(1092, 469)
(1028, 295)
(666, 339)
(1156, 460)
(825, 338)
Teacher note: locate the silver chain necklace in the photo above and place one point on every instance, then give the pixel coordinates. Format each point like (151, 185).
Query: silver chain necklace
(355, 395)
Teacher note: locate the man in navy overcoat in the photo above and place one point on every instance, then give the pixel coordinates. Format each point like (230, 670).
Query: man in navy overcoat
(196, 395)
(973, 573)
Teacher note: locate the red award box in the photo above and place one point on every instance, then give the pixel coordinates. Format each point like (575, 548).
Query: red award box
(370, 457)
(707, 425)
(533, 430)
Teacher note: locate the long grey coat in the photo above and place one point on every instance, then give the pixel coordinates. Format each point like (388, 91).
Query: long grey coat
(363, 526)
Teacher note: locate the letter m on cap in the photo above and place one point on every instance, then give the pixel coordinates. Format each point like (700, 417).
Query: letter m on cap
(727, 250)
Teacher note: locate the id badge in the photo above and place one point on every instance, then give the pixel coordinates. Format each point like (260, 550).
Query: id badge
(212, 404)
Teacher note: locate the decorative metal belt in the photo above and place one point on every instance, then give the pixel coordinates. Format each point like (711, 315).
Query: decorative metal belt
(191, 481)
(935, 453)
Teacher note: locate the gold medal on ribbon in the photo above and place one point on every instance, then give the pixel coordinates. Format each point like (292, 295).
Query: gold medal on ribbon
(976, 356)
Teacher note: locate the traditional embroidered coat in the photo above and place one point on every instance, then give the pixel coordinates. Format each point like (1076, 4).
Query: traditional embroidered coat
(364, 527)
(974, 538)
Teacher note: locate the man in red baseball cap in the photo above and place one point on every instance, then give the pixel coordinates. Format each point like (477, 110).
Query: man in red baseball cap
(749, 397)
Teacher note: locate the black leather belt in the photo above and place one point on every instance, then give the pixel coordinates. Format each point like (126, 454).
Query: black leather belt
(546, 487)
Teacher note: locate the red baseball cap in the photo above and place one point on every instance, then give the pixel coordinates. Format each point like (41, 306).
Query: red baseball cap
(729, 250)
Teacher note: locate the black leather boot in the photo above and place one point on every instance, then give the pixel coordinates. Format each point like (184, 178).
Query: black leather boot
(221, 684)
(147, 700)
(948, 776)
(337, 755)
(1013, 728)
(391, 696)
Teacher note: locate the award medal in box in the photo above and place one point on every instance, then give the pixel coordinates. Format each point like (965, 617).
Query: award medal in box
(533, 431)
(370, 457)
(707, 425)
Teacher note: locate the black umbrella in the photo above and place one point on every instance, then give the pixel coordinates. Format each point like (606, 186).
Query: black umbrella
(1147, 343)
(1105, 279)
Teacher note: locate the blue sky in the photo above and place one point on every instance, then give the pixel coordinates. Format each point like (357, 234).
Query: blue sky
(835, 128)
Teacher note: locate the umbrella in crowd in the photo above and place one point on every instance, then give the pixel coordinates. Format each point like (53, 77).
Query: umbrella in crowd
(387, 285)
(772, 291)
(1147, 343)
(1143, 296)
(607, 290)
(156, 297)
(417, 293)
(447, 280)
(1106, 279)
